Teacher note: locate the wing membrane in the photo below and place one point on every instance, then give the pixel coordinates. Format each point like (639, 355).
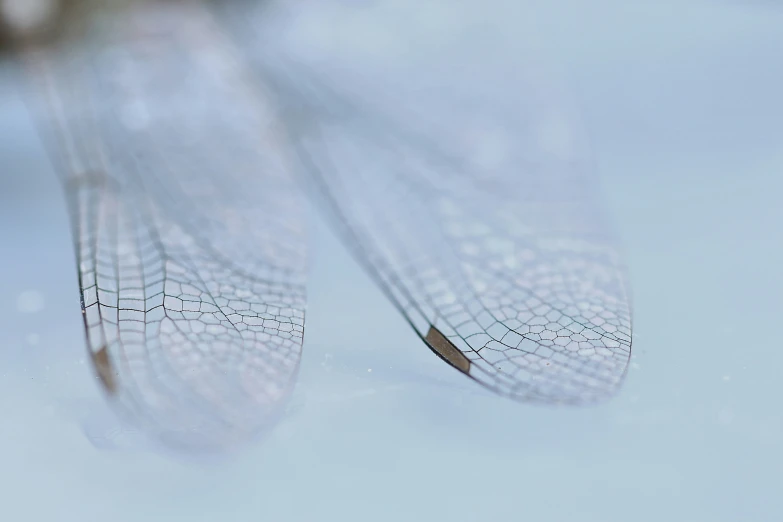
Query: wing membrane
(188, 229)
(458, 177)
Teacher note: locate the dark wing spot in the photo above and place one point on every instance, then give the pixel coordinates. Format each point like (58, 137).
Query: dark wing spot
(103, 367)
(447, 350)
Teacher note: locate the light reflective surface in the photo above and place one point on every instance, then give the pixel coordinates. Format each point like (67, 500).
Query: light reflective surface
(684, 116)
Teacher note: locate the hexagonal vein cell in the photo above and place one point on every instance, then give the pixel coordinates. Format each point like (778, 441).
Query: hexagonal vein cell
(456, 171)
(187, 226)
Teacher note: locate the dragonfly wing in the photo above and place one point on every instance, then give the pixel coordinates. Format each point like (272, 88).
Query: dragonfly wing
(517, 288)
(187, 227)
(457, 174)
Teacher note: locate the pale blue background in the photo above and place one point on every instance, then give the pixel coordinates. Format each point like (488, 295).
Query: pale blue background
(683, 104)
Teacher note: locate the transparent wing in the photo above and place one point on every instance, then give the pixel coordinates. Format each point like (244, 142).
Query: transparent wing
(187, 228)
(457, 175)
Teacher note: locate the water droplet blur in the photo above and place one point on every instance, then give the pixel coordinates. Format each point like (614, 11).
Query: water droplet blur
(30, 302)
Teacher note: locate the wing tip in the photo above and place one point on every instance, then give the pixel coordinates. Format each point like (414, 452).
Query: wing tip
(105, 370)
(446, 350)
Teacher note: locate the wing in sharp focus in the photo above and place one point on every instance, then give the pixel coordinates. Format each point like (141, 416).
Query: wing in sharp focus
(188, 230)
(457, 176)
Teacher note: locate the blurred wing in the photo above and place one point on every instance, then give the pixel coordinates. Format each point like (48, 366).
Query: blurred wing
(458, 178)
(188, 230)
